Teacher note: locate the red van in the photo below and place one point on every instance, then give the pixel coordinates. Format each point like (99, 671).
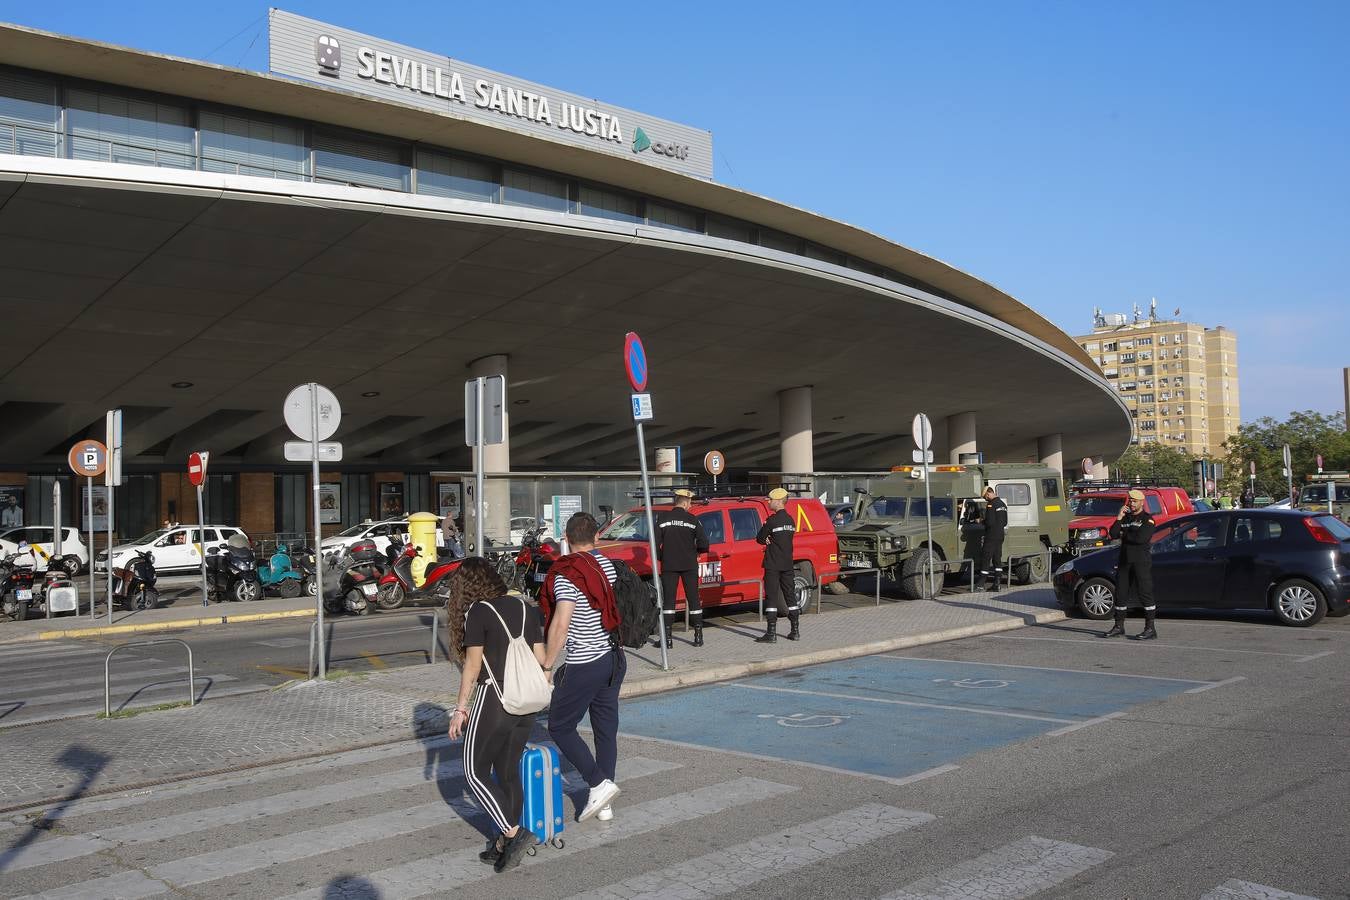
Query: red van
(733, 553)
(1095, 506)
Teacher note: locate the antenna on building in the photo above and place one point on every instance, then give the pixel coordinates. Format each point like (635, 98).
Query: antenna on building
(1176, 313)
(1153, 310)
(1137, 314)
(1098, 320)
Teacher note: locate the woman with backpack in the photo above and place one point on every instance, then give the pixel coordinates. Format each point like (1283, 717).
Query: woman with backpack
(485, 622)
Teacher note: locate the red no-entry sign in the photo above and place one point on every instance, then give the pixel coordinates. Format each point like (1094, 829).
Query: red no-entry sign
(197, 468)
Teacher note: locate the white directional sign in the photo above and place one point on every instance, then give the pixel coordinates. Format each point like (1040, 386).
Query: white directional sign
(299, 412)
(923, 456)
(923, 432)
(303, 451)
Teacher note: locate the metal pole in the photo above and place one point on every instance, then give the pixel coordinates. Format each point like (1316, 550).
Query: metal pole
(89, 513)
(480, 387)
(318, 531)
(651, 545)
(201, 542)
(111, 492)
(56, 544)
(928, 516)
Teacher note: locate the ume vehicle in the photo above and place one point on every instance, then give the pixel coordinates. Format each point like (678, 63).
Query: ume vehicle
(16, 587)
(537, 555)
(134, 582)
(232, 572)
(352, 578)
(397, 586)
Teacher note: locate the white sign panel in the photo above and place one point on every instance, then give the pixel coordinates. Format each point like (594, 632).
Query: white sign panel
(302, 451)
(923, 432)
(642, 407)
(494, 410)
(349, 60)
(298, 410)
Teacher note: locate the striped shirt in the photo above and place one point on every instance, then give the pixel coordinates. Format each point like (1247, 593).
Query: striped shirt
(587, 639)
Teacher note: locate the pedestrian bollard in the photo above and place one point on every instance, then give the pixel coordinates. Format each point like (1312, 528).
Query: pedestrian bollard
(435, 625)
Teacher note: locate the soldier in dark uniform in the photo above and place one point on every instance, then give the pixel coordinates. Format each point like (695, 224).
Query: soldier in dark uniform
(1134, 528)
(995, 523)
(780, 598)
(680, 538)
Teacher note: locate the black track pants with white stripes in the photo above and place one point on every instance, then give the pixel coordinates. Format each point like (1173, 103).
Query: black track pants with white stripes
(493, 743)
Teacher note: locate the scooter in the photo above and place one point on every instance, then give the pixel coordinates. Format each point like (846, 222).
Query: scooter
(281, 575)
(352, 579)
(304, 560)
(534, 560)
(134, 583)
(398, 587)
(232, 572)
(16, 587)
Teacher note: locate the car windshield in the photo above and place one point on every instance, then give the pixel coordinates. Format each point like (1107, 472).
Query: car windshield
(887, 507)
(1097, 506)
(1335, 526)
(354, 531)
(1317, 493)
(152, 536)
(631, 526)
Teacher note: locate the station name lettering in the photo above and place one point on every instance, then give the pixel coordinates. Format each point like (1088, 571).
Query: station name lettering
(409, 74)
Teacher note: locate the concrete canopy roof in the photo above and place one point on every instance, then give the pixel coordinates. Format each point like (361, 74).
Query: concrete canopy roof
(122, 280)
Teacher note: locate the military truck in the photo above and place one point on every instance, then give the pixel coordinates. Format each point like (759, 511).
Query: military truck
(889, 530)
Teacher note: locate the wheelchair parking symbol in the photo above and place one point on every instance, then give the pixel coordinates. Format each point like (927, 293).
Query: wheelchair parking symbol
(974, 682)
(802, 720)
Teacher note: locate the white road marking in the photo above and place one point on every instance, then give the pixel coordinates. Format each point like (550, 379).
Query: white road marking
(1303, 659)
(48, 651)
(430, 876)
(120, 694)
(95, 706)
(943, 706)
(12, 687)
(1077, 725)
(1132, 644)
(1233, 889)
(123, 886)
(729, 870)
(1015, 870)
(1039, 668)
(1213, 684)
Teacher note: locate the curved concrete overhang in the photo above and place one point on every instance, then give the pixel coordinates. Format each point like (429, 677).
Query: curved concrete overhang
(80, 58)
(122, 280)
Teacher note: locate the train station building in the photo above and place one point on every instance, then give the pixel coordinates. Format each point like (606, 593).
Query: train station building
(188, 242)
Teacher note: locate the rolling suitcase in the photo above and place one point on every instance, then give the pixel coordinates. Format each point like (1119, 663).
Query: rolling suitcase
(542, 811)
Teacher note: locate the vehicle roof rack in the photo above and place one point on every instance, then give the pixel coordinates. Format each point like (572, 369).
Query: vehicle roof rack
(730, 491)
(1081, 486)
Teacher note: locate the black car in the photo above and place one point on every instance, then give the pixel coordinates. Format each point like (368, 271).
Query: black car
(1291, 562)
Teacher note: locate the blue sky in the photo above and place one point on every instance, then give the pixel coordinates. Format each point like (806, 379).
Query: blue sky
(1072, 153)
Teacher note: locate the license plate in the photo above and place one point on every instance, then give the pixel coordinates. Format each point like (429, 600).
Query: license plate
(24, 595)
(369, 589)
(540, 576)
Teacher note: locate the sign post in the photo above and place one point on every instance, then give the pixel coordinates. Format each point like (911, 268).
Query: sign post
(1289, 474)
(197, 475)
(89, 458)
(113, 478)
(714, 463)
(923, 439)
(484, 423)
(312, 412)
(1252, 468)
(635, 363)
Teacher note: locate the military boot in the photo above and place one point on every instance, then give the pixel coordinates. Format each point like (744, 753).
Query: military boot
(770, 635)
(795, 634)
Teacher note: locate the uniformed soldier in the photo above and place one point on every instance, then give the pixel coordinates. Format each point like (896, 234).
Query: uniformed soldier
(680, 538)
(995, 523)
(1134, 529)
(780, 598)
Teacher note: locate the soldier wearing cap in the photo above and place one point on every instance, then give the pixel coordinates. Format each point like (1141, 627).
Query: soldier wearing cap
(780, 596)
(680, 538)
(995, 524)
(1134, 528)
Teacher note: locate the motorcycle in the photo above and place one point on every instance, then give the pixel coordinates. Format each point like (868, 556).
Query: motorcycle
(232, 572)
(134, 583)
(306, 562)
(535, 558)
(398, 586)
(352, 579)
(281, 575)
(16, 587)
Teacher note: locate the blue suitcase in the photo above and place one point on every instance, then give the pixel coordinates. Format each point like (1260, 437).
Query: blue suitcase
(542, 811)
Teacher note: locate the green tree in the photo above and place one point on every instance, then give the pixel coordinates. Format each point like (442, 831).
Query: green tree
(1154, 461)
(1307, 433)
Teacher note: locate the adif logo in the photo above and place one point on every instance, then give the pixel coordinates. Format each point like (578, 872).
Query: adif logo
(642, 142)
(328, 54)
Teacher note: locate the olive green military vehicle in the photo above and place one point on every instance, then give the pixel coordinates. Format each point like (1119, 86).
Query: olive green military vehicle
(889, 530)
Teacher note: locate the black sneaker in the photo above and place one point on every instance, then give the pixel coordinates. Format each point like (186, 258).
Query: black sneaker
(493, 852)
(514, 849)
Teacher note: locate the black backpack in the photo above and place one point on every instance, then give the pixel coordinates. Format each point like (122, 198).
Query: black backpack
(635, 600)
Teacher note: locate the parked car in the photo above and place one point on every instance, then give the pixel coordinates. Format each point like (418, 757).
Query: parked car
(1095, 504)
(731, 524)
(1294, 563)
(380, 532)
(176, 548)
(1201, 504)
(43, 536)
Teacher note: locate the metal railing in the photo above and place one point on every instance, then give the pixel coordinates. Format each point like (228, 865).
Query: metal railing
(945, 565)
(1049, 562)
(849, 572)
(107, 678)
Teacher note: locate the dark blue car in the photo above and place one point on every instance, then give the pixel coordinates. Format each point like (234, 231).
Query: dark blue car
(1292, 562)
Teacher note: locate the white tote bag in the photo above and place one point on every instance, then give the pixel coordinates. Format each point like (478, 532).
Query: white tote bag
(525, 688)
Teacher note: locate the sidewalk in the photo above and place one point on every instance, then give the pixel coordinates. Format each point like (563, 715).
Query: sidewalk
(314, 718)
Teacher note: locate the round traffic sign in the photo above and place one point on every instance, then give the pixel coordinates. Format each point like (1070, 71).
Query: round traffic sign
(923, 432)
(714, 463)
(635, 361)
(298, 411)
(88, 458)
(197, 468)
(1252, 464)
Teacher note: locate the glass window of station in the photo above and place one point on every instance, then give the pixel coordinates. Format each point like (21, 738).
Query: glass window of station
(42, 115)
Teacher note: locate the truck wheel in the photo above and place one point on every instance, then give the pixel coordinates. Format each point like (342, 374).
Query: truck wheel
(914, 574)
(1031, 570)
(801, 588)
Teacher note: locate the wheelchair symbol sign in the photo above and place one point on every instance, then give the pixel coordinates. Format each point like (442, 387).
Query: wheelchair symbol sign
(803, 720)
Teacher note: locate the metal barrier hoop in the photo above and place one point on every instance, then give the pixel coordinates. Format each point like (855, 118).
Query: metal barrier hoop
(107, 677)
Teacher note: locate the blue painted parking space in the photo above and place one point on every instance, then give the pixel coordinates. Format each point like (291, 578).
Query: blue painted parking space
(886, 716)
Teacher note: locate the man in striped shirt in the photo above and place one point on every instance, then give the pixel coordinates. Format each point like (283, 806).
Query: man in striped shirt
(581, 587)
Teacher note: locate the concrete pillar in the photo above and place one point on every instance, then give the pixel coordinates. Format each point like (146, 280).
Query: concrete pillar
(1050, 448)
(795, 444)
(1346, 373)
(961, 436)
(496, 459)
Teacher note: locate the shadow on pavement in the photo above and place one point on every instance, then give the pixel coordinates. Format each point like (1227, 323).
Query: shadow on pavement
(350, 887)
(89, 764)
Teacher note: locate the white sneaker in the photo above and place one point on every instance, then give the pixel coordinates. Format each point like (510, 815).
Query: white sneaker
(600, 797)
(605, 814)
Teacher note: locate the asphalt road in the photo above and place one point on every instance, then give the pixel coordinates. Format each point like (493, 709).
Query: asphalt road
(1208, 764)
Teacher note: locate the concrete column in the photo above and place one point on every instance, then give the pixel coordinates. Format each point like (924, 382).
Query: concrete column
(795, 446)
(496, 459)
(1346, 373)
(1050, 448)
(961, 435)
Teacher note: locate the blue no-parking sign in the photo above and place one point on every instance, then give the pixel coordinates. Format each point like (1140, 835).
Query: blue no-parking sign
(635, 361)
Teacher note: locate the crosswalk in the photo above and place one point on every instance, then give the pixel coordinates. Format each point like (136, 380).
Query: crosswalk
(397, 822)
(57, 680)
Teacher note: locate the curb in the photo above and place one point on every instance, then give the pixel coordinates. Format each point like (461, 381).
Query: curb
(161, 626)
(672, 682)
